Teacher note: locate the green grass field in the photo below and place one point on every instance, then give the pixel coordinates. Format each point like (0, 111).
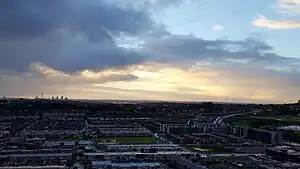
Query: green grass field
(243, 123)
(262, 121)
(297, 133)
(294, 119)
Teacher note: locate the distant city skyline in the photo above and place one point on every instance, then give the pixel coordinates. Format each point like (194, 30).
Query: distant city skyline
(180, 50)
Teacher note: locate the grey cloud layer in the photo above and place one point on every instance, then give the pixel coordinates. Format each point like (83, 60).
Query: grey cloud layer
(179, 48)
(69, 35)
(147, 4)
(73, 35)
(36, 18)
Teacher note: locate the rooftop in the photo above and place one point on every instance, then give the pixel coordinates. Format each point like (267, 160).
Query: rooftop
(131, 164)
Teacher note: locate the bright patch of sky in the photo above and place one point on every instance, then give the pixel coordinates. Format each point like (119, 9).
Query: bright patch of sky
(198, 17)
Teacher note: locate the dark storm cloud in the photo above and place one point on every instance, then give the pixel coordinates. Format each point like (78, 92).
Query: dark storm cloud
(73, 35)
(36, 18)
(27, 19)
(176, 48)
(148, 5)
(66, 54)
(69, 35)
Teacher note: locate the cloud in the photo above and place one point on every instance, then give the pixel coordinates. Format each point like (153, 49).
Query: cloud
(146, 4)
(65, 53)
(69, 35)
(37, 18)
(289, 6)
(101, 49)
(78, 37)
(245, 82)
(53, 82)
(182, 49)
(262, 22)
(217, 27)
(231, 82)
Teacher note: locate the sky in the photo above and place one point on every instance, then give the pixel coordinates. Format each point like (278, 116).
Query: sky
(173, 50)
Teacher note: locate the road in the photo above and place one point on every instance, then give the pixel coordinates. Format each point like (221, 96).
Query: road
(228, 155)
(220, 119)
